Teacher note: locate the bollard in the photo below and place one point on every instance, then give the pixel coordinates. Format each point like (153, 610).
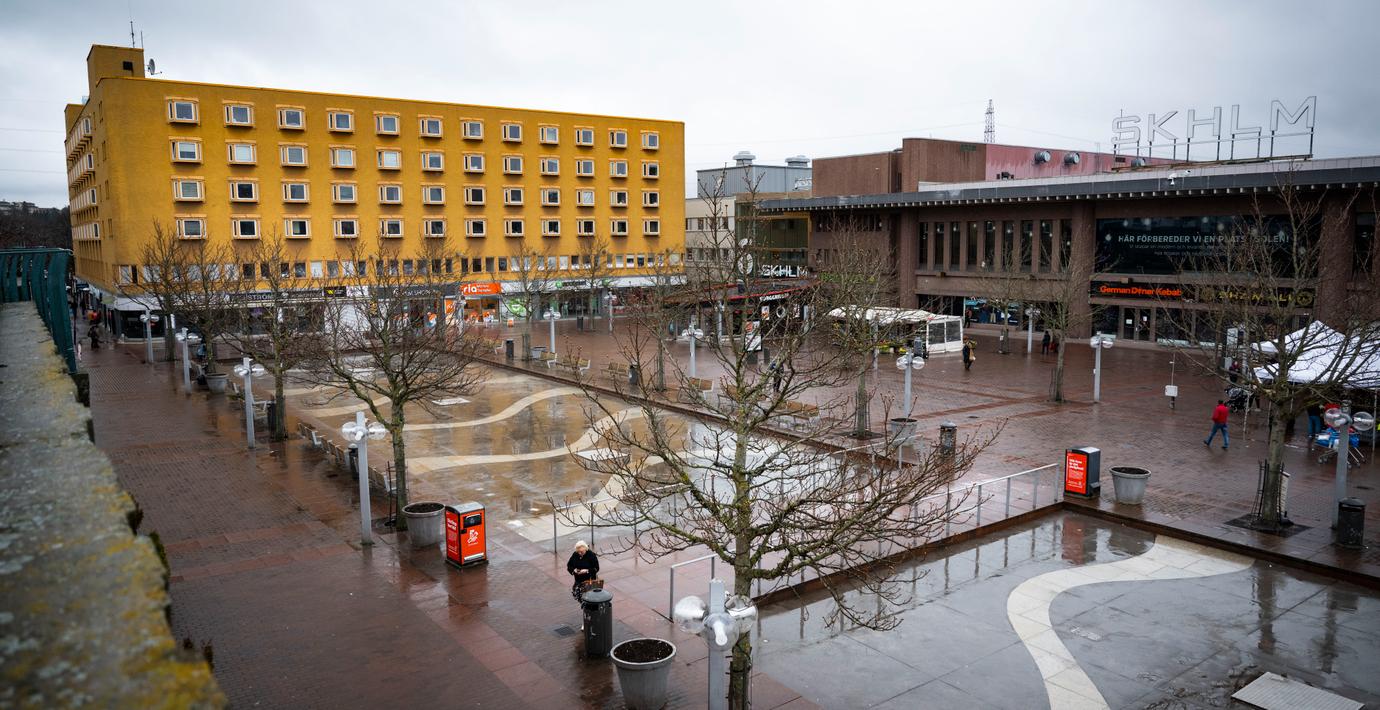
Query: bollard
(948, 438)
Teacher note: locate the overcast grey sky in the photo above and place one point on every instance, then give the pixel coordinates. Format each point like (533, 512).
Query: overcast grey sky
(776, 78)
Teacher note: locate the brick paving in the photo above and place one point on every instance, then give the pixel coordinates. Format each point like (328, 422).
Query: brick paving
(266, 567)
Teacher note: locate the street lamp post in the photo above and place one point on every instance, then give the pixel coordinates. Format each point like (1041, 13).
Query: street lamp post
(1099, 342)
(149, 319)
(184, 338)
(1341, 420)
(694, 334)
(608, 298)
(1030, 314)
(910, 362)
(248, 370)
(720, 622)
(360, 431)
(552, 315)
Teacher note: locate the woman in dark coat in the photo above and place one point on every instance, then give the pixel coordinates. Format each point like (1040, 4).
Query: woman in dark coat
(583, 564)
(969, 354)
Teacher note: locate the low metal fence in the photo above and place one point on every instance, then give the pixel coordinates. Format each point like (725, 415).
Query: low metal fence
(40, 275)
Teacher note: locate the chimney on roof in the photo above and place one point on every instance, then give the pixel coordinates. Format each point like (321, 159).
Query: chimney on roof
(797, 161)
(744, 157)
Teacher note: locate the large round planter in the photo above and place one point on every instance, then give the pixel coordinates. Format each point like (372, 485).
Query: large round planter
(1129, 483)
(644, 671)
(216, 382)
(425, 524)
(902, 427)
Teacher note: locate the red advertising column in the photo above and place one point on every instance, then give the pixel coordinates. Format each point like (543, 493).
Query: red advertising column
(1082, 472)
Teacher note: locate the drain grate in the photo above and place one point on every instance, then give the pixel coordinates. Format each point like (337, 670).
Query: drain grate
(563, 630)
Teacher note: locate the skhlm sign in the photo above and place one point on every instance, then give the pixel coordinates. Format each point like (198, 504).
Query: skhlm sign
(1203, 135)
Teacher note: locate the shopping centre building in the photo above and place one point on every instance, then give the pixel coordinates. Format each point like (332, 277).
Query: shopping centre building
(1137, 222)
(329, 171)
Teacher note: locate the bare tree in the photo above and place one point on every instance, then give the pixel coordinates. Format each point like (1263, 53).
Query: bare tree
(533, 280)
(1063, 304)
(749, 484)
(1011, 285)
(162, 258)
(377, 344)
(193, 278)
(596, 263)
(1254, 293)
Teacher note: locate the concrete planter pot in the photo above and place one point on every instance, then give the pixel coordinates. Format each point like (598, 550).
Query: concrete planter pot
(216, 382)
(425, 524)
(1129, 483)
(644, 671)
(902, 427)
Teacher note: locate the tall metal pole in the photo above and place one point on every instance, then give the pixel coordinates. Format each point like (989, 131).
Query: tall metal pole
(148, 336)
(1030, 332)
(1343, 447)
(718, 322)
(1097, 372)
(908, 369)
(186, 367)
(366, 536)
(249, 402)
(718, 666)
(552, 317)
(609, 293)
(692, 351)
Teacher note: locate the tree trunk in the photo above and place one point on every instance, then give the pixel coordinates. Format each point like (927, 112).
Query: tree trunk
(740, 665)
(860, 425)
(1004, 340)
(210, 354)
(660, 364)
(279, 409)
(1056, 388)
(399, 464)
(169, 340)
(1272, 487)
(527, 342)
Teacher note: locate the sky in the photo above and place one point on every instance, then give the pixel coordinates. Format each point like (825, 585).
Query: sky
(774, 78)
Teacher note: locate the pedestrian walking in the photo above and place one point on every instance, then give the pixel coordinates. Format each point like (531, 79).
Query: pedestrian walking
(94, 333)
(969, 354)
(776, 376)
(1219, 423)
(1234, 372)
(1315, 422)
(1044, 344)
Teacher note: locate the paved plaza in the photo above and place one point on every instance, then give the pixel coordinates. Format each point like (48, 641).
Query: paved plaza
(266, 563)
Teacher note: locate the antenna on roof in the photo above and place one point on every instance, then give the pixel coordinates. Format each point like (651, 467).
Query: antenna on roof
(131, 32)
(989, 133)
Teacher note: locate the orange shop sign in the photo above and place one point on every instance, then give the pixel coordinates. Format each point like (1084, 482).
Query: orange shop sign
(490, 288)
(1076, 472)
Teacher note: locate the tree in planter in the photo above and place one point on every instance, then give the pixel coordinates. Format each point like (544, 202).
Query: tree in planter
(283, 310)
(376, 344)
(1063, 304)
(533, 280)
(193, 277)
(1254, 291)
(651, 311)
(770, 503)
(596, 261)
(162, 257)
(1012, 285)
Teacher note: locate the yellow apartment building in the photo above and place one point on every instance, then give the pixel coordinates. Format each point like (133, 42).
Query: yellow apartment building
(325, 171)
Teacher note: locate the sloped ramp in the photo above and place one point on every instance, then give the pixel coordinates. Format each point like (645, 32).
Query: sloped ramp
(1275, 692)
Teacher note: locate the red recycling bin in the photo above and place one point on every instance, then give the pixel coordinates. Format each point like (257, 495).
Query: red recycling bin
(465, 543)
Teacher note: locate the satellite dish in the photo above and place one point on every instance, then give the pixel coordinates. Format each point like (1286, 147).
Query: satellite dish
(153, 70)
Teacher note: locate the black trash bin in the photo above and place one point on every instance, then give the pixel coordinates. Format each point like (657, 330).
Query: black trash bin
(634, 375)
(271, 409)
(508, 349)
(580, 323)
(598, 610)
(1351, 522)
(354, 460)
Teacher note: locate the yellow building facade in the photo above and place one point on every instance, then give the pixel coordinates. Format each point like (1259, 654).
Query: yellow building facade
(327, 171)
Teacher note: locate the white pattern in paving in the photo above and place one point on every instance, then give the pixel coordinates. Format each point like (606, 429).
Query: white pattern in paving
(509, 411)
(586, 440)
(1027, 608)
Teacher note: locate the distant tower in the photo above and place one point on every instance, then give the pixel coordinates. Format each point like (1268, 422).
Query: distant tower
(989, 134)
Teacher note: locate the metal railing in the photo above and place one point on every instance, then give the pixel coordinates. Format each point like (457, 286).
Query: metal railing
(40, 275)
(671, 599)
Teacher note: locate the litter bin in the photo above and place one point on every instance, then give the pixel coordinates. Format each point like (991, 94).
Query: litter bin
(580, 323)
(354, 460)
(1351, 522)
(598, 611)
(948, 438)
(508, 348)
(465, 538)
(271, 409)
(1083, 472)
(634, 375)
(537, 350)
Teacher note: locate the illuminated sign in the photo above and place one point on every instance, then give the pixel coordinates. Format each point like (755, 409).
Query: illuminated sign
(1167, 132)
(481, 289)
(1076, 472)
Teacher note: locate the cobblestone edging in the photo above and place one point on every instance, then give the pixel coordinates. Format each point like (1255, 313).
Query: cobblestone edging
(82, 599)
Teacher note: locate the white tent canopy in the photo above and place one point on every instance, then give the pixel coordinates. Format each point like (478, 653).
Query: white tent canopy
(1321, 354)
(941, 333)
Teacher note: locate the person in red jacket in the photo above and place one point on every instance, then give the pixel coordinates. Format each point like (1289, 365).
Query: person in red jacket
(1219, 423)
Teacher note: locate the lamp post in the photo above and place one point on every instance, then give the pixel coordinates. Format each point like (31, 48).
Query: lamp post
(720, 622)
(360, 431)
(552, 315)
(694, 334)
(1030, 314)
(1099, 342)
(248, 370)
(718, 322)
(1342, 419)
(184, 338)
(910, 362)
(608, 299)
(149, 319)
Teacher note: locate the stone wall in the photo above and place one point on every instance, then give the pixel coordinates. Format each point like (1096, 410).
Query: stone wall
(82, 598)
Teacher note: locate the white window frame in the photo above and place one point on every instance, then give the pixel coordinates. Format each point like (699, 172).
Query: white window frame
(651, 170)
(230, 150)
(618, 138)
(582, 223)
(422, 126)
(651, 227)
(472, 129)
(338, 223)
(474, 162)
(338, 187)
(651, 198)
(230, 115)
(385, 225)
(584, 136)
(177, 151)
(475, 191)
(383, 194)
(548, 192)
(550, 165)
(301, 119)
(235, 191)
(237, 223)
(511, 222)
(428, 156)
(382, 153)
(513, 195)
(471, 223)
(334, 124)
(172, 111)
(512, 165)
(582, 163)
(551, 227)
(512, 132)
(182, 223)
(287, 191)
(288, 231)
(429, 225)
(614, 196)
(584, 197)
(614, 227)
(338, 151)
(286, 149)
(618, 168)
(378, 124)
(549, 135)
(180, 197)
(651, 140)
(433, 194)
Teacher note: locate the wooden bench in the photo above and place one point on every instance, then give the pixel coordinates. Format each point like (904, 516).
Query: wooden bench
(576, 365)
(549, 359)
(800, 414)
(616, 371)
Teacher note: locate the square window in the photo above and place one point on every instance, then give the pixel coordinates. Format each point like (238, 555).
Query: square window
(297, 228)
(584, 168)
(242, 152)
(239, 115)
(584, 198)
(390, 194)
(299, 270)
(295, 155)
(584, 136)
(431, 127)
(386, 124)
(474, 228)
(390, 159)
(341, 121)
(187, 151)
(651, 198)
(512, 228)
(584, 227)
(651, 227)
(188, 190)
(434, 227)
(182, 111)
(294, 192)
(550, 166)
(564, 262)
(651, 140)
(550, 135)
(618, 168)
(191, 228)
(342, 192)
(618, 227)
(512, 132)
(551, 196)
(651, 169)
(474, 195)
(391, 227)
(244, 191)
(246, 228)
(342, 157)
(512, 164)
(551, 228)
(512, 195)
(434, 194)
(618, 198)
(333, 269)
(474, 163)
(472, 130)
(316, 269)
(346, 228)
(291, 118)
(618, 139)
(433, 161)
